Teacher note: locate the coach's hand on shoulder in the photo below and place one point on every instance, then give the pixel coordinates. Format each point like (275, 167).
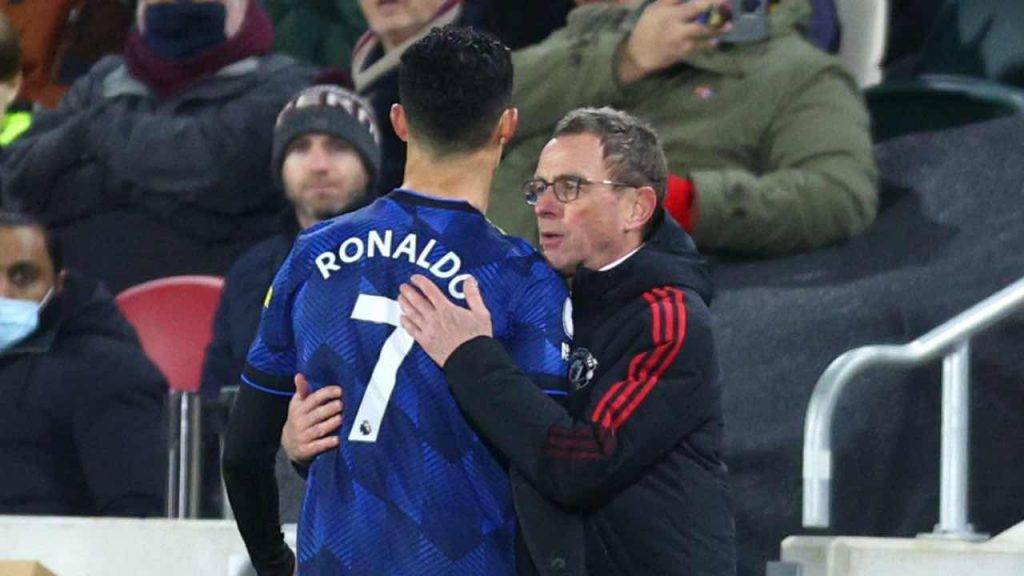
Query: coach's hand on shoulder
(313, 420)
(667, 33)
(438, 325)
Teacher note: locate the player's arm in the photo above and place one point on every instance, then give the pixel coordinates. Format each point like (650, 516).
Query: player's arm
(250, 447)
(254, 431)
(666, 394)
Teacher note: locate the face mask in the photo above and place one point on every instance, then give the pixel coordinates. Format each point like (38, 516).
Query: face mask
(181, 30)
(19, 318)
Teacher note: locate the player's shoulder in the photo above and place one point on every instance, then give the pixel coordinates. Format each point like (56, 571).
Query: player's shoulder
(328, 231)
(522, 254)
(514, 247)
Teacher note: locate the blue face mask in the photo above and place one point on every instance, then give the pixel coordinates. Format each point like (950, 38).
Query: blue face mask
(18, 319)
(180, 30)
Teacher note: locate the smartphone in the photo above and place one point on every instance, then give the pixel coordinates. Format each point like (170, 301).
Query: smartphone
(749, 20)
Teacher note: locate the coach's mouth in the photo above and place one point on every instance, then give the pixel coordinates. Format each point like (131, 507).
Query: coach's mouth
(550, 240)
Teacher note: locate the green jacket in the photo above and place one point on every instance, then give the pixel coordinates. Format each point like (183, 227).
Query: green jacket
(319, 32)
(774, 135)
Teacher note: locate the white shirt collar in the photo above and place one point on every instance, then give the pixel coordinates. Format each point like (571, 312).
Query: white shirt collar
(621, 260)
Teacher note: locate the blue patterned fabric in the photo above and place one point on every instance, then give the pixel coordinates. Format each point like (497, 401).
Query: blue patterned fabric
(411, 489)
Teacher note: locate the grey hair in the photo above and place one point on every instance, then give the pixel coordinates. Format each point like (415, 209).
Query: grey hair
(631, 149)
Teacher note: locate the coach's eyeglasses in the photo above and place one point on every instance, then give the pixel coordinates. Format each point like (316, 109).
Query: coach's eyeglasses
(566, 188)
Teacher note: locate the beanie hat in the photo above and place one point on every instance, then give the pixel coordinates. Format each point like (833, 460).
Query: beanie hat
(331, 110)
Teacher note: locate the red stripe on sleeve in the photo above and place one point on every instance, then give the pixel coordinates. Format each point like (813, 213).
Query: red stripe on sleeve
(612, 392)
(675, 344)
(571, 455)
(657, 357)
(581, 445)
(638, 367)
(668, 330)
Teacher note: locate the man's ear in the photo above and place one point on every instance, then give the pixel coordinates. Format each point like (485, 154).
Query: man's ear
(508, 125)
(399, 123)
(645, 200)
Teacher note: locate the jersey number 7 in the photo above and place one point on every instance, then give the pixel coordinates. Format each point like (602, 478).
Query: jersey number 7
(379, 310)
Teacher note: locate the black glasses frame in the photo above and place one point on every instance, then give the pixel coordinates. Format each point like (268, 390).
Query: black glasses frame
(566, 188)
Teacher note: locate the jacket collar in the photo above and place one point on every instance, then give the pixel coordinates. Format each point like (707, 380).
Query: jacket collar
(668, 258)
(120, 83)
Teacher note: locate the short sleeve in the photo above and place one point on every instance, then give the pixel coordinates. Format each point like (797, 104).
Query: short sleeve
(271, 363)
(541, 335)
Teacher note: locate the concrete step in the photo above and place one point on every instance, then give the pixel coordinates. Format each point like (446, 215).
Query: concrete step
(859, 556)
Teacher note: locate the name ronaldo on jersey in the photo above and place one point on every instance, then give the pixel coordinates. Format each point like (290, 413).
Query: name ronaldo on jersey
(379, 244)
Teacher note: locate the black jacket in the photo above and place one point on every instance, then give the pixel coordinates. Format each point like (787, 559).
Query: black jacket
(634, 457)
(140, 187)
(81, 413)
(238, 314)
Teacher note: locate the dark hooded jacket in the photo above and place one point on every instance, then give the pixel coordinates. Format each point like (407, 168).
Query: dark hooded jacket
(81, 411)
(139, 186)
(624, 477)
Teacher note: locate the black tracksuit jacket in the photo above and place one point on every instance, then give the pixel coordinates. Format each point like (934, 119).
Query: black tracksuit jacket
(626, 476)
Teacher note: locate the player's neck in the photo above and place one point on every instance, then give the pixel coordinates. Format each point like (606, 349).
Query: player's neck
(465, 177)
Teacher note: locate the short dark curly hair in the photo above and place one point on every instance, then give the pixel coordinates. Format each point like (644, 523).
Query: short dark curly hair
(455, 83)
(10, 219)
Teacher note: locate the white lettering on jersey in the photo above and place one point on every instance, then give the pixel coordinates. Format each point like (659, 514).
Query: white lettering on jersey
(327, 263)
(407, 247)
(378, 244)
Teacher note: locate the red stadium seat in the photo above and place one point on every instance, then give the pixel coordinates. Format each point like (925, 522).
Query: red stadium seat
(174, 319)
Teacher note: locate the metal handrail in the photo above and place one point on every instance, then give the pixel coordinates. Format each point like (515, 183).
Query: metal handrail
(950, 341)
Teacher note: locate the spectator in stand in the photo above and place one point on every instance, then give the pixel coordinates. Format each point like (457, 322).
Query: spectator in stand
(167, 145)
(767, 142)
(319, 33)
(80, 404)
(15, 122)
(822, 29)
(326, 155)
(394, 26)
(62, 39)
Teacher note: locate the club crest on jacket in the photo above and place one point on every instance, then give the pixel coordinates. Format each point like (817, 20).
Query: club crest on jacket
(582, 365)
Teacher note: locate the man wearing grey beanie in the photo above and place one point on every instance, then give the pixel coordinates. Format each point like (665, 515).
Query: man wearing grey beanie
(326, 157)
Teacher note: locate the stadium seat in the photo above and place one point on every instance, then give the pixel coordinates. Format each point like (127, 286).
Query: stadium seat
(934, 102)
(864, 25)
(977, 38)
(174, 320)
(970, 69)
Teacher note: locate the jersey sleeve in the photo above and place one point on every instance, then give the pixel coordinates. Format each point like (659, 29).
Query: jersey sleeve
(271, 363)
(541, 322)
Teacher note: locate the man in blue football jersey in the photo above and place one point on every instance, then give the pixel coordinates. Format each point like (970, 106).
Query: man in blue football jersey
(625, 476)
(411, 489)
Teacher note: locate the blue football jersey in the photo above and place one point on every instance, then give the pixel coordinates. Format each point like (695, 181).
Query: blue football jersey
(411, 488)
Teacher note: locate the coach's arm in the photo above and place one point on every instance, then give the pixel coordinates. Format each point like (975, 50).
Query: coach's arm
(576, 460)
